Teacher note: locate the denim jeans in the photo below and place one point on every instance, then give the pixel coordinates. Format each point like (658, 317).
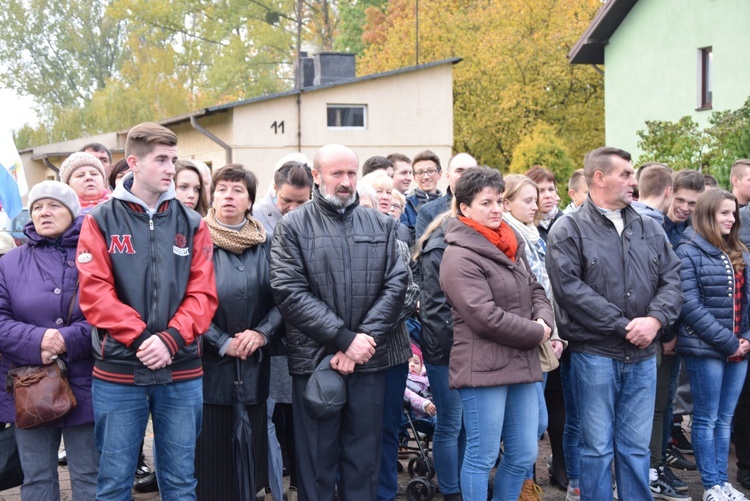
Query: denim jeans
(508, 413)
(38, 448)
(543, 417)
(121, 415)
(393, 412)
(716, 387)
(449, 440)
(572, 431)
(616, 405)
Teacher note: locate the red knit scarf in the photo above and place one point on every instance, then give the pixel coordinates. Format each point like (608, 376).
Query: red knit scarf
(503, 238)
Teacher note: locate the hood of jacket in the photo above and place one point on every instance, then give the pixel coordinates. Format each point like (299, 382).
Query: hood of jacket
(123, 192)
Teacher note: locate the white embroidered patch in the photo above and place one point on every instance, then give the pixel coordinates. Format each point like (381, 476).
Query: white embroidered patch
(181, 251)
(85, 257)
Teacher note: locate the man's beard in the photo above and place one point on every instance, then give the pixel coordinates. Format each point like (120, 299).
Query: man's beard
(338, 201)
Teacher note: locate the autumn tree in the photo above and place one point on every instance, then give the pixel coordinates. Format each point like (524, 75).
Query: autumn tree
(60, 52)
(684, 145)
(514, 73)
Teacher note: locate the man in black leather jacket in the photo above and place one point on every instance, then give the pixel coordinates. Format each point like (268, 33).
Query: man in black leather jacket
(617, 284)
(339, 284)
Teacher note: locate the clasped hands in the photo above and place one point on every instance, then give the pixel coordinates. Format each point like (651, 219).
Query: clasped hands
(360, 351)
(53, 344)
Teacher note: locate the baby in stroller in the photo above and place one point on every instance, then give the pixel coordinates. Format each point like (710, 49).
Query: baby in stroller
(418, 389)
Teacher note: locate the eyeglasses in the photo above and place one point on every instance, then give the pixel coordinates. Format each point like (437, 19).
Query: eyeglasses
(428, 172)
(397, 207)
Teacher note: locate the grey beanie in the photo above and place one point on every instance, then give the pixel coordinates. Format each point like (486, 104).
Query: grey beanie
(80, 159)
(56, 191)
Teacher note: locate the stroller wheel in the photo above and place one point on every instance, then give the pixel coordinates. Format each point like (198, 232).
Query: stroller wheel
(421, 467)
(419, 489)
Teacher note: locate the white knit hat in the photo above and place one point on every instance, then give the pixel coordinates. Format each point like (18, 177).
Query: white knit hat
(80, 159)
(56, 191)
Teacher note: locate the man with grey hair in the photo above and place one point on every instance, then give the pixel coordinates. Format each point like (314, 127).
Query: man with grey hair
(339, 283)
(617, 285)
(459, 163)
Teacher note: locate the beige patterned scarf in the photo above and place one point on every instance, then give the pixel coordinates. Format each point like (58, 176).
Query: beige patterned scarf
(252, 233)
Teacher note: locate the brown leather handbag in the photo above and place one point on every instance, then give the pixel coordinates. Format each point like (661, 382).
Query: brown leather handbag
(42, 394)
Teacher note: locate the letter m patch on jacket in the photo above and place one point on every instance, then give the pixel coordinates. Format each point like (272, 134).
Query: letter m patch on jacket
(120, 244)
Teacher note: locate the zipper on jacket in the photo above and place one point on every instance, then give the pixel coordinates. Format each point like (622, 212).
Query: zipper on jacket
(347, 272)
(154, 314)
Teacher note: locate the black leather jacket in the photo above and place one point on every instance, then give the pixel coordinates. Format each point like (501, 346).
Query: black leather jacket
(245, 302)
(335, 274)
(602, 280)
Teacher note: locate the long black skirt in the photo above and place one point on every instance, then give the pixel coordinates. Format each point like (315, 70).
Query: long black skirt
(214, 467)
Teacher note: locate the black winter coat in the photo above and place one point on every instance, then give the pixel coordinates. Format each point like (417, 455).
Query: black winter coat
(335, 274)
(245, 302)
(706, 326)
(436, 336)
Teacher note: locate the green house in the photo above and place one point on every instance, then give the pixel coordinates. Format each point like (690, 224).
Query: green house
(664, 59)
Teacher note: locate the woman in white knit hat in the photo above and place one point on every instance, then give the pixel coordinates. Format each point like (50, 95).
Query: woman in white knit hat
(85, 174)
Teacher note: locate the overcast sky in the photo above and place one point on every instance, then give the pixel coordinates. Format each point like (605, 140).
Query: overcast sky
(15, 110)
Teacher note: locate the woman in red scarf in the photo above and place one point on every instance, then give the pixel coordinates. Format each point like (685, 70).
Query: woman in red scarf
(501, 314)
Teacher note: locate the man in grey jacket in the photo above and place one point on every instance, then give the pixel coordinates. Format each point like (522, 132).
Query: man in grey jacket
(616, 281)
(339, 283)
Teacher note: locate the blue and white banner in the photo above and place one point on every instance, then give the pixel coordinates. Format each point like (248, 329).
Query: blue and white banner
(12, 177)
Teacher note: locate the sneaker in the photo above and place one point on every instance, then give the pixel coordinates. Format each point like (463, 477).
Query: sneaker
(680, 440)
(732, 493)
(660, 487)
(62, 458)
(675, 459)
(715, 493)
(573, 494)
(674, 481)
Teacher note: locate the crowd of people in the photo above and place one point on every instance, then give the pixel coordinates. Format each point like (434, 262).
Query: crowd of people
(496, 316)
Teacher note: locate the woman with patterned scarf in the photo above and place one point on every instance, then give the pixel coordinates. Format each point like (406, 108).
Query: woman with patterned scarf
(241, 329)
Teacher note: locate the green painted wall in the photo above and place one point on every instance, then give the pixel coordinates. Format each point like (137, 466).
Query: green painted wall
(651, 64)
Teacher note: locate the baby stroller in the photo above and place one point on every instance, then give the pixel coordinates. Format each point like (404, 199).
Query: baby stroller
(416, 438)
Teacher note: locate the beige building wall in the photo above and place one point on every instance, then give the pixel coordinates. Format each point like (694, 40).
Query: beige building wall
(407, 112)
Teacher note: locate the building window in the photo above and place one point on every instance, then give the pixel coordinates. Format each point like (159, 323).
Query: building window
(347, 116)
(705, 78)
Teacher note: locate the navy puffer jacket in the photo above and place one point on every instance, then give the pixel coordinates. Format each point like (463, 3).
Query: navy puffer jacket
(705, 328)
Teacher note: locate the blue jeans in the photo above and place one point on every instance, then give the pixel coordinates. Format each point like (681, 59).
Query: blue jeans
(121, 415)
(449, 440)
(716, 387)
(393, 412)
(508, 413)
(572, 430)
(38, 448)
(615, 401)
(543, 417)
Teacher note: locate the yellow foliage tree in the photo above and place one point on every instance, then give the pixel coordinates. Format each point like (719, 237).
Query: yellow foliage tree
(514, 73)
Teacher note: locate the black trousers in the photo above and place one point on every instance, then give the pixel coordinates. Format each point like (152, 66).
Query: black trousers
(346, 446)
(742, 427)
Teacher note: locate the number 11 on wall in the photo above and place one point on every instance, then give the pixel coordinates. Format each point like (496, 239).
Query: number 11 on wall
(276, 126)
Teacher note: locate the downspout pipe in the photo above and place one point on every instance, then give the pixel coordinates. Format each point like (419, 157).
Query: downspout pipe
(51, 166)
(212, 137)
